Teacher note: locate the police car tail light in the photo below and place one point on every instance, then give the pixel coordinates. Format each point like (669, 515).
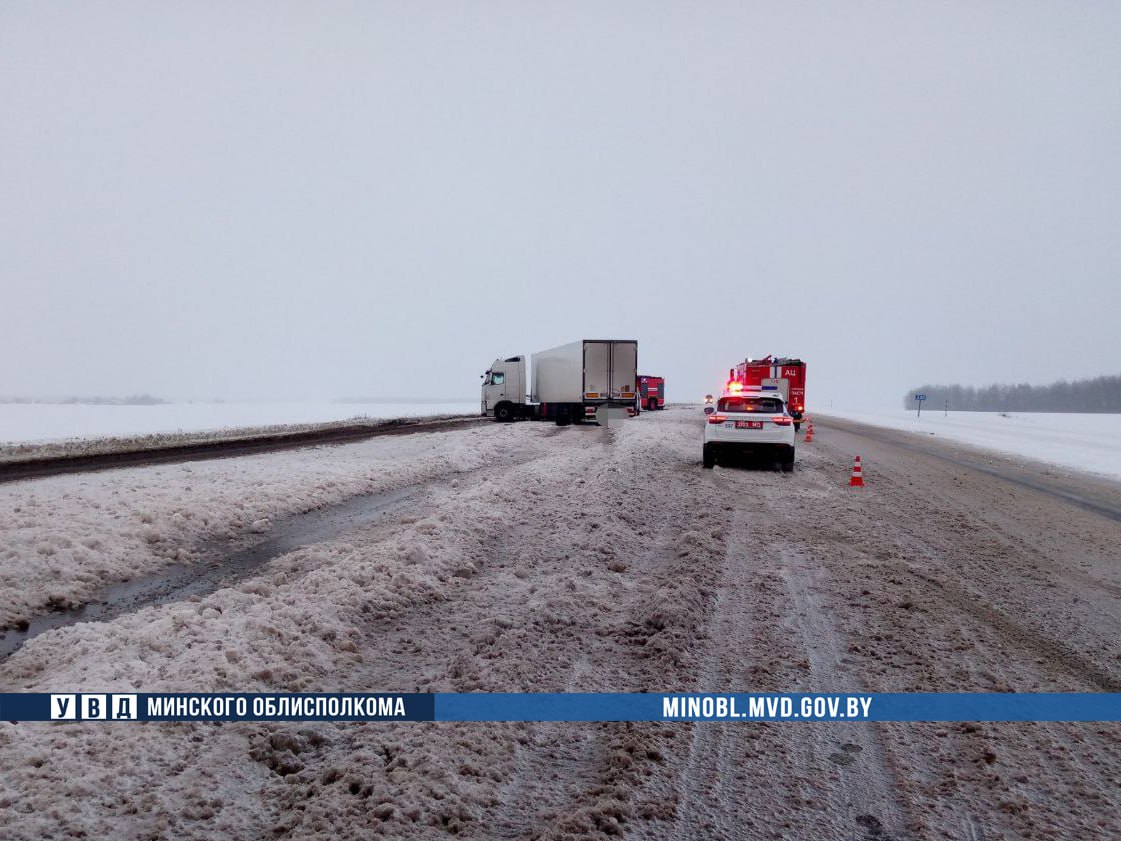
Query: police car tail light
(716, 419)
(782, 420)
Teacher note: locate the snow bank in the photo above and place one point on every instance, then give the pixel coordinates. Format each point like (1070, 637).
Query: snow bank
(464, 592)
(1087, 442)
(66, 537)
(37, 422)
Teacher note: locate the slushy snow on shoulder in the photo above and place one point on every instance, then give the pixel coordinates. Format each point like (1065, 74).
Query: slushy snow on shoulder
(38, 422)
(1087, 442)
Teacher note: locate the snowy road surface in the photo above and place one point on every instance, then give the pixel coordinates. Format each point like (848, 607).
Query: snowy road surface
(531, 557)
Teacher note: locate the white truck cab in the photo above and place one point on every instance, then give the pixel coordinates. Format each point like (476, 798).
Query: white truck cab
(504, 393)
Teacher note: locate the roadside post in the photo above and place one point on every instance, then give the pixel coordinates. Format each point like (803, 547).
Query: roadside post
(919, 398)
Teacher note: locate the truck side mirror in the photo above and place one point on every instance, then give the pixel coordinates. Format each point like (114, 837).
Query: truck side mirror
(709, 410)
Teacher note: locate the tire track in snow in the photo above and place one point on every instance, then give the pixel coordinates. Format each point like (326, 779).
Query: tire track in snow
(839, 782)
(946, 603)
(1061, 657)
(1101, 500)
(708, 805)
(182, 581)
(563, 779)
(567, 783)
(178, 582)
(945, 563)
(865, 790)
(23, 469)
(449, 642)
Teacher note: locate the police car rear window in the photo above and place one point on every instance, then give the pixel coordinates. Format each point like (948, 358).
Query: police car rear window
(749, 404)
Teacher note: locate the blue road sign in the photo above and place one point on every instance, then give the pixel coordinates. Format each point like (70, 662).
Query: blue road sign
(920, 397)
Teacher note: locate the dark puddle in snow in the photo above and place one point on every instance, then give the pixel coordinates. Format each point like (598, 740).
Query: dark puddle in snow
(181, 581)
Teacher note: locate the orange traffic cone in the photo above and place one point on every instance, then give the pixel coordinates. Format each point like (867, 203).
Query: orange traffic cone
(809, 432)
(857, 480)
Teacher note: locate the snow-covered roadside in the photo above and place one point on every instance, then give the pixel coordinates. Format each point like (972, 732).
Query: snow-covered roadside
(65, 538)
(79, 447)
(1086, 442)
(43, 422)
(321, 619)
(296, 628)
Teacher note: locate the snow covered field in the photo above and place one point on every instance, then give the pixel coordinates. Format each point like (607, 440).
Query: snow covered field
(36, 422)
(1091, 443)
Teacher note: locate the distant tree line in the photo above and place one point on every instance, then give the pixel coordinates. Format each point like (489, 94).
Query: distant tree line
(1101, 394)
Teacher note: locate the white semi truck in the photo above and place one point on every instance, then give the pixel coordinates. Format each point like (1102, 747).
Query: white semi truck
(569, 384)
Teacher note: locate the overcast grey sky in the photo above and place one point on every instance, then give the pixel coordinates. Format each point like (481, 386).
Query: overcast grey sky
(318, 199)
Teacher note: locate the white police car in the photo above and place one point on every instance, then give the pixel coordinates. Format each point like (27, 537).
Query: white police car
(750, 422)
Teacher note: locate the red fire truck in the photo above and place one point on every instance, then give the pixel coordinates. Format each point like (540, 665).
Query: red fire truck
(787, 376)
(651, 392)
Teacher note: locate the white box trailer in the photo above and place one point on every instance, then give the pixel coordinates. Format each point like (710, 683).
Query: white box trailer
(568, 383)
